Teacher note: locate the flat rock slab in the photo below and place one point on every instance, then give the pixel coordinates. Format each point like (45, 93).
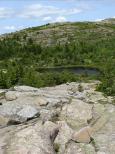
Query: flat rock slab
(25, 89)
(14, 113)
(28, 112)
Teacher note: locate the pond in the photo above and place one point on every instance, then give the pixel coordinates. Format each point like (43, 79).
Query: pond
(75, 70)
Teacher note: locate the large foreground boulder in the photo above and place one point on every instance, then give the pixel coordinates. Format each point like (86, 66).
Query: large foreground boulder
(33, 139)
(77, 113)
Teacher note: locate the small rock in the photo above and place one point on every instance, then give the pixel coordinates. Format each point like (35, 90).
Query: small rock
(10, 96)
(83, 135)
(42, 101)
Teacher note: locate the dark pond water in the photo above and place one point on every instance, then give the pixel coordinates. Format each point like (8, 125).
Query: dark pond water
(75, 70)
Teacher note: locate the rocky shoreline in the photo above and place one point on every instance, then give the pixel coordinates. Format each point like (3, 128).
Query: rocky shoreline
(70, 118)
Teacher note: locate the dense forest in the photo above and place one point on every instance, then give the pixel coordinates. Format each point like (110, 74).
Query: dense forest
(85, 44)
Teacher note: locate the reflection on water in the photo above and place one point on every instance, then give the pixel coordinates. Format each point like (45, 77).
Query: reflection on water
(76, 70)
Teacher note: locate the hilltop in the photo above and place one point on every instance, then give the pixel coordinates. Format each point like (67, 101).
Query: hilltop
(61, 33)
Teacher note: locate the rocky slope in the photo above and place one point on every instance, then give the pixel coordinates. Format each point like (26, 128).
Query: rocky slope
(67, 32)
(71, 118)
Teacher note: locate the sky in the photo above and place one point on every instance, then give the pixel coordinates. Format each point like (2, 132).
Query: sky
(19, 14)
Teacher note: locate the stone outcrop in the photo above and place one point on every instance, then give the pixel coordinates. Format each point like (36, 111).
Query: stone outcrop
(66, 119)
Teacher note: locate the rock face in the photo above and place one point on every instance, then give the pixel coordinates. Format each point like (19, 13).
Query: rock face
(57, 120)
